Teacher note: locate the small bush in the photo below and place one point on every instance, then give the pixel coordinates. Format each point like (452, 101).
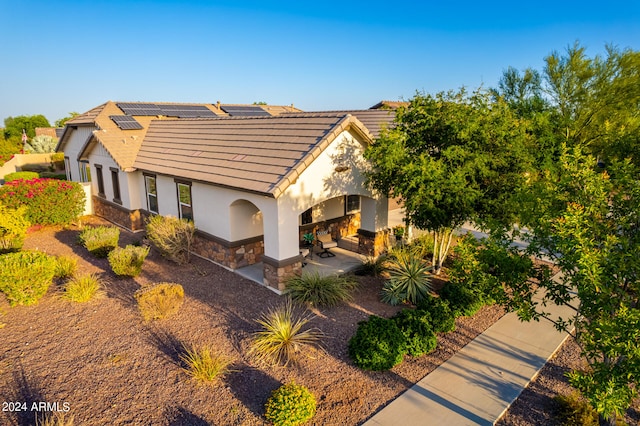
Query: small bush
(462, 300)
(13, 229)
(372, 266)
(20, 175)
(83, 288)
(290, 405)
(66, 266)
(282, 338)
(417, 330)
(47, 201)
(205, 364)
(55, 418)
(26, 276)
(160, 300)
(128, 261)
(409, 278)
(442, 319)
(378, 344)
(319, 290)
(171, 236)
(100, 240)
(573, 410)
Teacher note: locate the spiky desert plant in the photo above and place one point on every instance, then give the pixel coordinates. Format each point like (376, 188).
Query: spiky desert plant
(83, 288)
(320, 290)
(204, 363)
(282, 338)
(409, 278)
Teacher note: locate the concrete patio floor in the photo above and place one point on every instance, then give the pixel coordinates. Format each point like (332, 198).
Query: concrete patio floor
(343, 262)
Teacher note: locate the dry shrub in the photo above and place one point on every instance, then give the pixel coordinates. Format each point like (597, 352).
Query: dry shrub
(171, 236)
(160, 300)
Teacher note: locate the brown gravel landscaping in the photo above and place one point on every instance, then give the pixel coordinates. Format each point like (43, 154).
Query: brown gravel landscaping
(112, 368)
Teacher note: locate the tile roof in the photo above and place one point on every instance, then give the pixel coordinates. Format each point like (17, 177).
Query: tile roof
(373, 119)
(257, 154)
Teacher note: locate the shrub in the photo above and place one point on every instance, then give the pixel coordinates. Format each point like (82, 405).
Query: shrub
(47, 201)
(26, 276)
(204, 363)
(100, 240)
(55, 418)
(573, 410)
(128, 261)
(290, 404)
(20, 175)
(442, 319)
(282, 338)
(160, 300)
(13, 229)
(415, 326)
(378, 344)
(171, 236)
(66, 266)
(82, 289)
(409, 278)
(373, 266)
(319, 290)
(462, 300)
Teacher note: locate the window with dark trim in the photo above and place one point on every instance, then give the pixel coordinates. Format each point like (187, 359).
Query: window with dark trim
(307, 216)
(352, 204)
(185, 208)
(152, 193)
(85, 173)
(67, 168)
(100, 180)
(115, 180)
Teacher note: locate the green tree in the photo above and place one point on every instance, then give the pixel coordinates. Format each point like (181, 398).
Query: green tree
(61, 122)
(13, 126)
(452, 158)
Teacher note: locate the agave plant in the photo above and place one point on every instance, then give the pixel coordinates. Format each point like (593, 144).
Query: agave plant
(409, 278)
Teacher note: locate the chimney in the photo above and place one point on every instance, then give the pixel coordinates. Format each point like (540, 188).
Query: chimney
(218, 105)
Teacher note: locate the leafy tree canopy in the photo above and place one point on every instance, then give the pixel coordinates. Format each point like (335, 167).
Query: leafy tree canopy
(61, 122)
(13, 126)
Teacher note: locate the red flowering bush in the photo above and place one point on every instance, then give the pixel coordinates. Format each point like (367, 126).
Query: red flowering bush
(48, 201)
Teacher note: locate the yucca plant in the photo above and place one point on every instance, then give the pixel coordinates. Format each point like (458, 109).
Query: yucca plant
(282, 338)
(205, 364)
(319, 290)
(83, 288)
(409, 278)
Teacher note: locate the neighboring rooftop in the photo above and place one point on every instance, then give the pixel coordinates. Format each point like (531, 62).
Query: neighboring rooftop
(389, 105)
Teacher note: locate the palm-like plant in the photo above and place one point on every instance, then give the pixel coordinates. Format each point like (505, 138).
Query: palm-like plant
(320, 290)
(409, 278)
(282, 338)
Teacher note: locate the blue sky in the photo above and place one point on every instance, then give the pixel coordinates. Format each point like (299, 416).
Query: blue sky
(67, 56)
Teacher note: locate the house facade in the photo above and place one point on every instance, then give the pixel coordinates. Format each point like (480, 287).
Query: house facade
(252, 182)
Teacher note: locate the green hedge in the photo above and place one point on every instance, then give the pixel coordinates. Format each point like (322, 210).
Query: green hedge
(20, 175)
(26, 276)
(378, 344)
(47, 201)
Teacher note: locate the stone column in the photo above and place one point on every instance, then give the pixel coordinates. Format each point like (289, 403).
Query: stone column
(277, 272)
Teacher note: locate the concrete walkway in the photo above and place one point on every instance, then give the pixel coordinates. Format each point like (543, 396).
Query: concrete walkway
(479, 383)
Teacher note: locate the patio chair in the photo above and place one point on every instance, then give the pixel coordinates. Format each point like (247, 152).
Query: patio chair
(326, 243)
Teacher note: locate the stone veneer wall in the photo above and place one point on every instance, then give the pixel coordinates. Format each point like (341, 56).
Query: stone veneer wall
(233, 255)
(130, 219)
(373, 243)
(276, 273)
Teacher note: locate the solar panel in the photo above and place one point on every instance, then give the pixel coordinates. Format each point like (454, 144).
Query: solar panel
(186, 111)
(140, 109)
(245, 111)
(126, 122)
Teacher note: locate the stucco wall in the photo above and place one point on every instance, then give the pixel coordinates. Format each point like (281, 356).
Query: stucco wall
(72, 148)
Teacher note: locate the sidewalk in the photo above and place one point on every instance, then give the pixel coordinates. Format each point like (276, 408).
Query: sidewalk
(479, 383)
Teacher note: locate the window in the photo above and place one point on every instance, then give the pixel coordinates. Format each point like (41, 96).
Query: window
(85, 172)
(307, 216)
(152, 193)
(67, 168)
(352, 204)
(184, 200)
(100, 180)
(116, 185)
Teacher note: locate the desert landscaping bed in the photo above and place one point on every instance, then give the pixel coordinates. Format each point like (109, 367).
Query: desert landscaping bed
(110, 367)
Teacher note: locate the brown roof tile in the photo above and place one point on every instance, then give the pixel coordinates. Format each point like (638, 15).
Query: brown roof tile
(254, 154)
